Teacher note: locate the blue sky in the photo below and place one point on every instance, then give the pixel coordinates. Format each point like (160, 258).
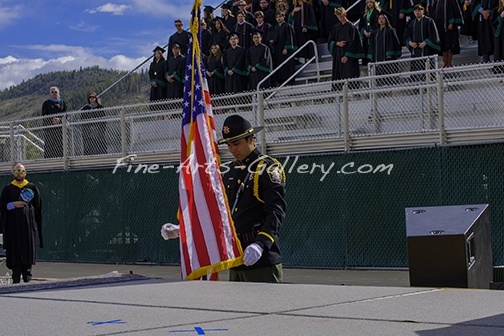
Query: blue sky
(40, 36)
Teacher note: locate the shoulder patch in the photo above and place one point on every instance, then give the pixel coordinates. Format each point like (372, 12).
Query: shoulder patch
(275, 174)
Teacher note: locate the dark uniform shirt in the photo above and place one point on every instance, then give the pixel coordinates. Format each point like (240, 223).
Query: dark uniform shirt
(260, 210)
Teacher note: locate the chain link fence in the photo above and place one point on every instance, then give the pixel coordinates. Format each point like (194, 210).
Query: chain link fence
(444, 106)
(344, 210)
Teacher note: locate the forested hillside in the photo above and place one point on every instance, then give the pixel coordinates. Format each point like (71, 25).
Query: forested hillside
(26, 99)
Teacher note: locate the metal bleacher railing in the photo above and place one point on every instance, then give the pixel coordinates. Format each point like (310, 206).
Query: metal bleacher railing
(446, 106)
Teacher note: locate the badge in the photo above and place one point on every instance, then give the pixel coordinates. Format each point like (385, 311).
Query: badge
(275, 175)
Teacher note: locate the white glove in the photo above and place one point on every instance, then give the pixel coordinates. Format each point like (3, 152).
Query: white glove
(170, 231)
(252, 253)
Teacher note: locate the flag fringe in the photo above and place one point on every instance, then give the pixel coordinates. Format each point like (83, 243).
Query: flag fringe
(215, 268)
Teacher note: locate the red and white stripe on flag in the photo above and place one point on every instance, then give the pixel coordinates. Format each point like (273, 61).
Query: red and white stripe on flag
(208, 241)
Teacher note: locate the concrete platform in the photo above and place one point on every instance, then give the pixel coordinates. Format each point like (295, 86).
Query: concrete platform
(225, 308)
(163, 305)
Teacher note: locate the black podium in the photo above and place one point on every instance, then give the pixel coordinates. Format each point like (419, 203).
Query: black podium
(449, 246)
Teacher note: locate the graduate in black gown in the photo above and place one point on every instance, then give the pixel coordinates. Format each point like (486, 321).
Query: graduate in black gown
(220, 34)
(282, 42)
(448, 17)
(367, 23)
(327, 17)
(302, 18)
(21, 220)
(53, 137)
(484, 10)
(244, 30)
(345, 47)
(214, 70)
(497, 20)
(94, 133)
(384, 46)
(259, 62)
(206, 38)
(235, 69)
(262, 25)
(422, 39)
(174, 73)
(268, 11)
(227, 18)
(156, 76)
(181, 37)
(398, 10)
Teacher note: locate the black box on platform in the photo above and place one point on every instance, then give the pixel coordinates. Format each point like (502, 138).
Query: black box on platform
(449, 246)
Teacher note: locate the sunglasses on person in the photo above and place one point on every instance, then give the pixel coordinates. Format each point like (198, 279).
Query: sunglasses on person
(18, 171)
(54, 92)
(92, 97)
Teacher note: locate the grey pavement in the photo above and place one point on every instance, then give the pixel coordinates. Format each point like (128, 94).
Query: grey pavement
(311, 302)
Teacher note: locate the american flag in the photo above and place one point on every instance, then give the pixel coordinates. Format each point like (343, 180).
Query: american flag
(208, 241)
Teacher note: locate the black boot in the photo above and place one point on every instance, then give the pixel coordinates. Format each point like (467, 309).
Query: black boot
(16, 275)
(27, 276)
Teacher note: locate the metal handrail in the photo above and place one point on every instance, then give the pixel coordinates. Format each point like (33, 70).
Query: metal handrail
(298, 71)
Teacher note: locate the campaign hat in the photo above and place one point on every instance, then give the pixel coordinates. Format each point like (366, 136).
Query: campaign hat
(236, 127)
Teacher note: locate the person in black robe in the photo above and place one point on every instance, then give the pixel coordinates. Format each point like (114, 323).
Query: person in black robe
(448, 17)
(21, 220)
(94, 133)
(53, 137)
(214, 70)
(156, 76)
(227, 18)
(422, 39)
(206, 38)
(208, 17)
(302, 18)
(244, 29)
(282, 43)
(174, 73)
(259, 62)
(345, 47)
(180, 37)
(268, 12)
(263, 26)
(367, 23)
(235, 69)
(484, 9)
(497, 20)
(327, 17)
(471, 21)
(398, 10)
(220, 34)
(246, 9)
(384, 46)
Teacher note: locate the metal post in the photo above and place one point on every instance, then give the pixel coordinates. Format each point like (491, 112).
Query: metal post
(430, 109)
(440, 89)
(123, 133)
(260, 110)
(346, 118)
(12, 148)
(64, 129)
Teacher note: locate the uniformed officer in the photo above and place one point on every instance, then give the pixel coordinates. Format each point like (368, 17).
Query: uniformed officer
(255, 188)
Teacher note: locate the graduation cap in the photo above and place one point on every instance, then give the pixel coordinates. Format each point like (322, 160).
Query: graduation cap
(233, 33)
(257, 32)
(159, 48)
(217, 18)
(208, 9)
(227, 5)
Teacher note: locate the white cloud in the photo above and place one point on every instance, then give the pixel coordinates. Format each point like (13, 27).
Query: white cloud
(83, 27)
(9, 15)
(14, 70)
(110, 8)
(156, 8)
